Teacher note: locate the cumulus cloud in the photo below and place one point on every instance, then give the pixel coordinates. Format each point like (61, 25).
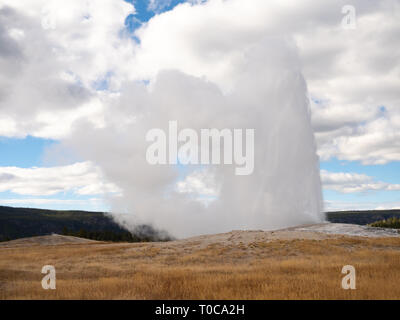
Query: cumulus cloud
(376, 142)
(61, 52)
(353, 205)
(351, 73)
(80, 178)
(53, 56)
(158, 5)
(354, 182)
(199, 183)
(354, 77)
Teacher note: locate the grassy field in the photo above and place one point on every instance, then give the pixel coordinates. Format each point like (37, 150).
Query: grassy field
(276, 269)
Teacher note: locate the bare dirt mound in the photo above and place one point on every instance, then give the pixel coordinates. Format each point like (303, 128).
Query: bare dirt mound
(51, 240)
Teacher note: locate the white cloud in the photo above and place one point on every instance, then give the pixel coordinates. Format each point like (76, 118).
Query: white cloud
(354, 72)
(80, 178)
(85, 38)
(354, 182)
(53, 54)
(376, 142)
(199, 183)
(368, 205)
(158, 5)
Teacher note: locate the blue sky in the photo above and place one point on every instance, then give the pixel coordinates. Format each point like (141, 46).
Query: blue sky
(25, 153)
(31, 152)
(389, 173)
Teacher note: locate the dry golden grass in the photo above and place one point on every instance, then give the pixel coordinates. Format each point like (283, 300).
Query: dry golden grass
(279, 269)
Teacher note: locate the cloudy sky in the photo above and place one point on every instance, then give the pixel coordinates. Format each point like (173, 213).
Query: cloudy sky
(64, 64)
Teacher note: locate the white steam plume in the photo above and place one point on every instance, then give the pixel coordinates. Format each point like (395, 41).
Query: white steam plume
(269, 95)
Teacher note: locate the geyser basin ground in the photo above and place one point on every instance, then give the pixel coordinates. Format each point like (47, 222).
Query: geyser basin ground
(295, 263)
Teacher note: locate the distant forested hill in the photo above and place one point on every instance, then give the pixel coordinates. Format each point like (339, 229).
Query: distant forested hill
(23, 222)
(362, 217)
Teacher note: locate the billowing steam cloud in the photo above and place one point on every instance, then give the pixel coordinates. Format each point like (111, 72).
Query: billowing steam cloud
(267, 94)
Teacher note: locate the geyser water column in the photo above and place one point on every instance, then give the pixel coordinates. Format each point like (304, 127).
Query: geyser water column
(268, 95)
(285, 189)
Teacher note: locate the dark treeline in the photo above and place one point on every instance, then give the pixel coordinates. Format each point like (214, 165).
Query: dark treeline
(362, 217)
(18, 223)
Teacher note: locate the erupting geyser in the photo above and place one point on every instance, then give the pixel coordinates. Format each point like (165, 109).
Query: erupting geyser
(266, 93)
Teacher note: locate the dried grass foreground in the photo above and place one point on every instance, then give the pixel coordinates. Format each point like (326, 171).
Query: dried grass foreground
(259, 268)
